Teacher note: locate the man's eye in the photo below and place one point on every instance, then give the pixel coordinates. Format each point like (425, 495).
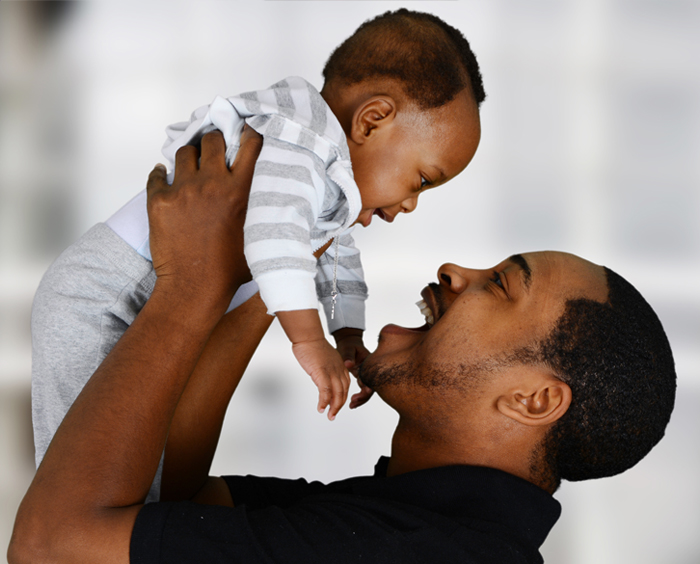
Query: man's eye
(497, 279)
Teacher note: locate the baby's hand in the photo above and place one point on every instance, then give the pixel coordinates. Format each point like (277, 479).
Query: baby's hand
(323, 363)
(353, 352)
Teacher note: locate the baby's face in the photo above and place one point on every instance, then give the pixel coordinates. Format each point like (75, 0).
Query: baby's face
(421, 149)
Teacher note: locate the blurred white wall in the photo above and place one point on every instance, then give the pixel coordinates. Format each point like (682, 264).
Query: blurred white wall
(591, 139)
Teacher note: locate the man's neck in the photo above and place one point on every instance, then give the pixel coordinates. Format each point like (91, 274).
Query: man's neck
(414, 447)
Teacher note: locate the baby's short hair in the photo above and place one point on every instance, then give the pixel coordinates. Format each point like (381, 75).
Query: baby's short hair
(431, 59)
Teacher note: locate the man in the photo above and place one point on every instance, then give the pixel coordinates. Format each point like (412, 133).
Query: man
(546, 367)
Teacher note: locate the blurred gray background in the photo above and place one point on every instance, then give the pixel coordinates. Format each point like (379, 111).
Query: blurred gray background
(591, 144)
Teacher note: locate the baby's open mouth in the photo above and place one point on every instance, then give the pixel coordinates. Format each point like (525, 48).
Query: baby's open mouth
(383, 215)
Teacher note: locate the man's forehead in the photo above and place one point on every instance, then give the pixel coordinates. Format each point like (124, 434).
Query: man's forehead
(526, 270)
(555, 272)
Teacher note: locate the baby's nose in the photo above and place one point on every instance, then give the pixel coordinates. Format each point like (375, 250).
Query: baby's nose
(409, 204)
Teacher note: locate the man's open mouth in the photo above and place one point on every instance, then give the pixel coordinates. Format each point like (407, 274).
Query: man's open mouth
(429, 307)
(427, 313)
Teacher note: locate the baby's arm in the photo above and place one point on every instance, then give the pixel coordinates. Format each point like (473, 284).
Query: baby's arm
(348, 321)
(317, 357)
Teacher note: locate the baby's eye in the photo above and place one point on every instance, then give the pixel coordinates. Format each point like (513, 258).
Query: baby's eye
(424, 182)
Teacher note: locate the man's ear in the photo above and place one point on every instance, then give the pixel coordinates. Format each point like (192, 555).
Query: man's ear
(374, 113)
(536, 401)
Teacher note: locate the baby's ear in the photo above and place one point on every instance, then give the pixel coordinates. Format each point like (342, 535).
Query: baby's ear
(370, 116)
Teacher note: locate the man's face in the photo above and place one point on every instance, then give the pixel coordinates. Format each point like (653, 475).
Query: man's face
(475, 319)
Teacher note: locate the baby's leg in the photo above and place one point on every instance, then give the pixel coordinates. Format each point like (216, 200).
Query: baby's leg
(86, 300)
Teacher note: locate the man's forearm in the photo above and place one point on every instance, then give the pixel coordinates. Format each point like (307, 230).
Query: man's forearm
(196, 427)
(113, 461)
(195, 430)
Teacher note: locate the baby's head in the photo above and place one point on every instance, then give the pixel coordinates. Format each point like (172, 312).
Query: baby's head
(406, 88)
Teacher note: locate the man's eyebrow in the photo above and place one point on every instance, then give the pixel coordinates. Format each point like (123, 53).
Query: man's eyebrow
(527, 272)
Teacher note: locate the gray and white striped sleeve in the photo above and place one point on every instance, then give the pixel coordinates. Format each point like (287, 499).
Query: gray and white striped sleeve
(352, 289)
(285, 201)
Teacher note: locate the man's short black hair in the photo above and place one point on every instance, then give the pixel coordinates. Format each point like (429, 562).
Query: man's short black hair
(431, 59)
(617, 361)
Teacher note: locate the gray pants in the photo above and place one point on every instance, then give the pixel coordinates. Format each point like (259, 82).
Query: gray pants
(84, 303)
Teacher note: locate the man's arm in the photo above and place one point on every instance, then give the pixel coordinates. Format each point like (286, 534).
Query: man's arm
(83, 501)
(194, 433)
(196, 427)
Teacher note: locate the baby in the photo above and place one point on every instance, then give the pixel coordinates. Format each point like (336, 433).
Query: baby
(397, 115)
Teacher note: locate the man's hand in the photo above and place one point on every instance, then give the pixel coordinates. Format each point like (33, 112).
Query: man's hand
(196, 224)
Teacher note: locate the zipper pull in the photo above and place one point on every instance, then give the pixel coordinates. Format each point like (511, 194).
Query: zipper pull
(334, 297)
(334, 293)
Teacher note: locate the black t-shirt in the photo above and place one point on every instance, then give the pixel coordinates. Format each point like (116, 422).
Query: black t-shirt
(464, 514)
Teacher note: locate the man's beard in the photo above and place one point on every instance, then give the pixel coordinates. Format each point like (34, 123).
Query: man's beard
(460, 377)
(376, 377)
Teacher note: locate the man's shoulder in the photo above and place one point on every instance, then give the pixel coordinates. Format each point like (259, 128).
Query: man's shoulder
(465, 513)
(460, 493)
(454, 513)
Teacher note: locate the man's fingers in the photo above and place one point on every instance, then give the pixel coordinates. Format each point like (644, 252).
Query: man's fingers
(186, 161)
(157, 179)
(251, 143)
(157, 189)
(213, 150)
(250, 137)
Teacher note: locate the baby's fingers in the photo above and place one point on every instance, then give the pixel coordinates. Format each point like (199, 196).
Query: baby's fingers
(340, 385)
(361, 397)
(325, 395)
(352, 367)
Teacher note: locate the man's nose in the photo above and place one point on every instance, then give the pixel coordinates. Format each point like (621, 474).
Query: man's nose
(455, 278)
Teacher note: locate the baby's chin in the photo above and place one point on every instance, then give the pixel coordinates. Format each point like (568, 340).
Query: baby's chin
(365, 217)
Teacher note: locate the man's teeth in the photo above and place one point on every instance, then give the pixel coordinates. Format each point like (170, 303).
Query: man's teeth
(425, 310)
